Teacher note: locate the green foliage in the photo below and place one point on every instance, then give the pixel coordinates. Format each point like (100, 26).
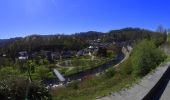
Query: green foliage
(168, 38)
(43, 73)
(146, 56)
(43, 62)
(126, 67)
(111, 55)
(93, 87)
(75, 42)
(110, 73)
(102, 52)
(36, 43)
(6, 62)
(137, 34)
(74, 85)
(37, 91)
(9, 71)
(78, 64)
(17, 88)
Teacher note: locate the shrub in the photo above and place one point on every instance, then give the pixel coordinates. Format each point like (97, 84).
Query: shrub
(17, 88)
(74, 85)
(41, 72)
(110, 73)
(146, 56)
(8, 71)
(126, 67)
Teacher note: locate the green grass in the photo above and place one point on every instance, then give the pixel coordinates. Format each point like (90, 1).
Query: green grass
(166, 60)
(94, 87)
(99, 86)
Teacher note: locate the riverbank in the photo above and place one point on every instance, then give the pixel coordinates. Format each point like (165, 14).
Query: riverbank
(114, 80)
(94, 86)
(94, 71)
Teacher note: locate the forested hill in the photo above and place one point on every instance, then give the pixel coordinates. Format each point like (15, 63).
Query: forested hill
(4, 42)
(135, 34)
(75, 41)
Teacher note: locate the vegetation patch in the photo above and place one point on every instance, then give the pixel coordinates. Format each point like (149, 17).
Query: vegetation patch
(79, 64)
(145, 57)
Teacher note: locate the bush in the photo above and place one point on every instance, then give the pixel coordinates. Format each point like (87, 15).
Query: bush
(126, 67)
(41, 72)
(146, 56)
(17, 88)
(110, 73)
(74, 85)
(8, 71)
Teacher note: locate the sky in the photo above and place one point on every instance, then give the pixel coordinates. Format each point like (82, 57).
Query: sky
(25, 17)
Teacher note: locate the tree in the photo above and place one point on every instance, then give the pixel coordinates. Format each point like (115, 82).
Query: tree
(14, 88)
(160, 29)
(168, 31)
(8, 72)
(102, 52)
(43, 73)
(163, 31)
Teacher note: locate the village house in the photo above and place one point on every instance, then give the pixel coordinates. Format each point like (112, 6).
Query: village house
(23, 55)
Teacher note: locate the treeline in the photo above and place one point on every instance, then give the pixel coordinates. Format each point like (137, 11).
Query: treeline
(136, 34)
(77, 41)
(4, 42)
(37, 43)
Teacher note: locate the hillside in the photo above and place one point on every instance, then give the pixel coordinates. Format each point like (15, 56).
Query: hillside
(75, 41)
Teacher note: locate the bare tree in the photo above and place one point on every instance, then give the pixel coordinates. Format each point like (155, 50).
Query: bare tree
(163, 31)
(160, 29)
(168, 31)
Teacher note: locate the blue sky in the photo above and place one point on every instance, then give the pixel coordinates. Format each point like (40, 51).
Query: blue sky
(25, 17)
